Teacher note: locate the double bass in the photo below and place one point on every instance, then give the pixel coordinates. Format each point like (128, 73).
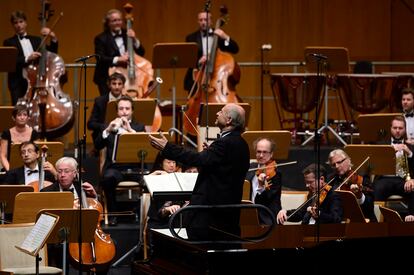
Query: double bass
(49, 107)
(216, 81)
(139, 73)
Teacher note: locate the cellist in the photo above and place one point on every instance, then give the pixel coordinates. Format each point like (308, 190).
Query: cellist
(111, 47)
(26, 46)
(361, 186)
(204, 36)
(266, 182)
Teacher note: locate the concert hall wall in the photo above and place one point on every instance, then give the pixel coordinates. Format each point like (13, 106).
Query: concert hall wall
(379, 30)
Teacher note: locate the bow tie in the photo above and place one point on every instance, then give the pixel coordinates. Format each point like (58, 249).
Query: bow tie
(397, 141)
(119, 34)
(70, 190)
(29, 172)
(205, 33)
(409, 114)
(22, 37)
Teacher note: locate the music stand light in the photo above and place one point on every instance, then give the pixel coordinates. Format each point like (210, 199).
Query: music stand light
(337, 61)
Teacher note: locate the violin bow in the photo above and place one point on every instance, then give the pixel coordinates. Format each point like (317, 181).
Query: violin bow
(353, 172)
(276, 165)
(42, 43)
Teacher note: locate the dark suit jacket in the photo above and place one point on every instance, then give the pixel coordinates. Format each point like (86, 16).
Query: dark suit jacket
(16, 82)
(96, 121)
(106, 48)
(196, 37)
(108, 142)
(55, 188)
(223, 167)
(16, 176)
(269, 198)
(330, 210)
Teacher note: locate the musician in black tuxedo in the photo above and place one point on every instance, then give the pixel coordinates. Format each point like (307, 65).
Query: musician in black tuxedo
(27, 46)
(112, 175)
(203, 35)
(111, 47)
(96, 121)
(29, 172)
(223, 166)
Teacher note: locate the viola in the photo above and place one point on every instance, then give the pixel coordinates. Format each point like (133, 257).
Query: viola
(215, 82)
(97, 255)
(49, 107)
(139, 74)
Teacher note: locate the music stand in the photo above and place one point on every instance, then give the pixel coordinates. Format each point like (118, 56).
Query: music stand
(6, 113)
(282, 139)
(55, 151)
(173, 56)
(337, 61)
(390, 215)
(374, 128)
(67, 229)
(8, 57)
(7, 196)
(380, 157)
(352, 210)
(27, 205)
(144, 110)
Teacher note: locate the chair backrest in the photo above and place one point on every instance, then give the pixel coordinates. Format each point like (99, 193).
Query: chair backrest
(377, 210)
(249, 216)
(246, 190)
(390, 215)
(293, 199)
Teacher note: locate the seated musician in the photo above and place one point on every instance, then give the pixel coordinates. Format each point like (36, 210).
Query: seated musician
(330, 207)
(30, 171)
(112, 174)
(266, 183)
(407, 102)
(361, 186)
(400, 183)
(96, 122)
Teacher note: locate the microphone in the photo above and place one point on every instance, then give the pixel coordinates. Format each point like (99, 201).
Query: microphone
(86, 57)
(266, 47)
(318, 56)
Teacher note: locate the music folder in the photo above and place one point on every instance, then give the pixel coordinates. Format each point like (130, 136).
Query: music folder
(171, 186)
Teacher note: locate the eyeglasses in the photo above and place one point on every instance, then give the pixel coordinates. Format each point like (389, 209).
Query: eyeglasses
(339, 162)
(65, 171)
(262, 152)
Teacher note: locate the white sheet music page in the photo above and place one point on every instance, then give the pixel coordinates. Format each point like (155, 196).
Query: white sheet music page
(37, 236)
(187, 180)
(161, 183)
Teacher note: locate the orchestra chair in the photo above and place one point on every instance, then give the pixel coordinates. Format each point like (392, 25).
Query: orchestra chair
(292, 200)
(15, 261)
(377, 210)
(249, 216)
(246, 190)
(390, 215)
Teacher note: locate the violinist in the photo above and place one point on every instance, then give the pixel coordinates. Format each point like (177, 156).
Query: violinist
(401, 182)
(361, 186)
(111, 47)
(26, 52)
(30, 171)
(266, 183)
(330, 207)
(204, 36)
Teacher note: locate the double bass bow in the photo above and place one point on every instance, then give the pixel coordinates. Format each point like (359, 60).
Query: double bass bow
(44, 93)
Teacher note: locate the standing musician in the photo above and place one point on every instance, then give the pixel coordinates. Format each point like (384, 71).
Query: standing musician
(111, 47)
(26, 52)
(266, 183)
(330, 207)
(30, 171)
(361, 186)
(96, 121)
(400, 183)
(112, 175)
(223, 166)
(203, 35)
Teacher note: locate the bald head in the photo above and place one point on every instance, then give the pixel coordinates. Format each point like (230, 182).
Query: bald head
(237, 115)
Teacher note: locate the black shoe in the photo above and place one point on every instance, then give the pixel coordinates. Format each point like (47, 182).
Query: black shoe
(113, 221)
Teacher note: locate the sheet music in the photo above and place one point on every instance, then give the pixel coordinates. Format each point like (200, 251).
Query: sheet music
(172, 182)
(38, 234)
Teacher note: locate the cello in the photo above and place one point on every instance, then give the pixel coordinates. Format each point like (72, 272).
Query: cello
(138, 73)
(44, 89)
(97, 255)
(216, 80)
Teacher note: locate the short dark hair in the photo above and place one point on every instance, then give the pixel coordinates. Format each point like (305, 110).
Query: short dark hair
(19, 109)
(407, 91)
(25, 143)
(312, 168)
(125, 98)
(16, 15)
(116, 76)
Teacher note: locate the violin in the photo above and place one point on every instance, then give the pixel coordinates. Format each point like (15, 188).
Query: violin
(353, 179)
(270, 170)
(97, 255)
